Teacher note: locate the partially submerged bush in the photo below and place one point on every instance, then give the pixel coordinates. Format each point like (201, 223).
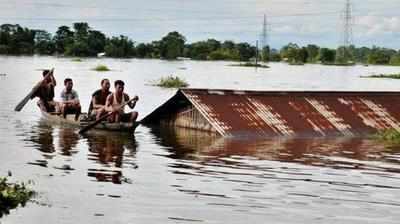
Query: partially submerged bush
(171, 82)
(101, 68)
(12, 195)
(388, 76)
(76, 60)
(250, 64)
(391, 136)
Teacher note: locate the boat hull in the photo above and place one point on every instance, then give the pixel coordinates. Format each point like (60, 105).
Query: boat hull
(83, 121)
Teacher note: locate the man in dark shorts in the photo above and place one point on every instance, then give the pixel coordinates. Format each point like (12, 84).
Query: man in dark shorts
(46, 93)
(114, 102)
(69, 100)
(97, 105)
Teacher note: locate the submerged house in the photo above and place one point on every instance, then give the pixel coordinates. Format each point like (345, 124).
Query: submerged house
(232, 113)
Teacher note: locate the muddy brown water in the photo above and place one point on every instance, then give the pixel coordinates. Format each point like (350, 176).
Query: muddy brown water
(163, 175)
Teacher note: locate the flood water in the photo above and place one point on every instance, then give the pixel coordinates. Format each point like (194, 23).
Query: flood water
(164, 175)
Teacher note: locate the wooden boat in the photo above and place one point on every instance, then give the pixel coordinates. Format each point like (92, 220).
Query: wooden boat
(84, 120)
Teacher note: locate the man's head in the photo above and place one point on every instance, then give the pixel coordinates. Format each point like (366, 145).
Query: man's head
(105, 84)
(119, 86)
(44, 73)
(68, 84)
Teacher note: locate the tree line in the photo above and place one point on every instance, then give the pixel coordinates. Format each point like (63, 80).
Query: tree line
(81, 40)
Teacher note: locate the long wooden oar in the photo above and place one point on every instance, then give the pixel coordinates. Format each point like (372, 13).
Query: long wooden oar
(90, 126)
(21, 104)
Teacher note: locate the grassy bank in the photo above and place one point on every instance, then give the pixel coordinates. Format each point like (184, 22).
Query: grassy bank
(12, 195)
(385, 76)
(250, 64)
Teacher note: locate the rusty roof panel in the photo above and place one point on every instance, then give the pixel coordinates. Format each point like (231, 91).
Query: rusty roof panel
(287, 114)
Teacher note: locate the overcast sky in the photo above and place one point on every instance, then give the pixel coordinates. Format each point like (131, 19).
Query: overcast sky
(375, 22)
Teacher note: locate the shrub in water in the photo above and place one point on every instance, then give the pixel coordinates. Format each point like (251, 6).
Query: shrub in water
(172, 82)
(101, 68)
(12, 195)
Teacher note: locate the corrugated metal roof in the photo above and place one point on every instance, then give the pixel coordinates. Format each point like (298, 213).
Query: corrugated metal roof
(287, 114)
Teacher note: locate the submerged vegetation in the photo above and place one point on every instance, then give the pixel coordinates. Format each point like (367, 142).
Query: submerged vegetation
(76, 60)
(250, 64)
(390, 136)
(387, 76)
(101, 68)
(171, 82)
(12, 195)
(83, 41)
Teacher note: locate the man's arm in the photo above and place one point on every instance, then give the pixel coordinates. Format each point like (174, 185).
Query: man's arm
(94, 103)
(109, 107)
(53, 80)
(75, 99)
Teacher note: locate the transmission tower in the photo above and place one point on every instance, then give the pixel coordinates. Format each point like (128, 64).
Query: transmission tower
(264, 38)
(347, 32)
(264, 34)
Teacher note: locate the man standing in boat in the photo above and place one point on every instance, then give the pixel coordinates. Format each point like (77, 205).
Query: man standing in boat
(97, 106)
(70, 100)
(46, 92)
(118, 98)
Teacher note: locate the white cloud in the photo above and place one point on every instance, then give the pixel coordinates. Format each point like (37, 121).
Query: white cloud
(377, 25)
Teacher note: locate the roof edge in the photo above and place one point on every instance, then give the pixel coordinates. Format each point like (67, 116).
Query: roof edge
(286, 92)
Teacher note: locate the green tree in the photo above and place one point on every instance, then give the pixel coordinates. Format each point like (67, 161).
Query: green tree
(198, 50)
(344, 55)
(96, 42)
(172, 45)
(326, 55)
(80, 45)
(228, 44)
(361, 54)
(302, 55)
(274, 55)
(265, 53)
(246, 51)
(63, 38)
(380, 56)
(44, 43)
(120, 47)
(290, 52)
(395, 59)
(144, 50)
(312, 51)
(15, 39)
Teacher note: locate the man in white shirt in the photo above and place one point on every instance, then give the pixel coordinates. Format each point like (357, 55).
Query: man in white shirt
(70, 100)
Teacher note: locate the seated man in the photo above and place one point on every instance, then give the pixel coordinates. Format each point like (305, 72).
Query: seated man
(70, 100)
(114, 102)
(46, 93)
(97, 105)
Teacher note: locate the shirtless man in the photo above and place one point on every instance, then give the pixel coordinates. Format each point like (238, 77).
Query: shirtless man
(116, 99)
(46, 93)
(98, 104)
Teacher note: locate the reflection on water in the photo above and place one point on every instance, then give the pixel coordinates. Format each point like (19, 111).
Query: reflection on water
(67, 141)
(111, 152)
(341, 153)
(43, 138)
(240, 177)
